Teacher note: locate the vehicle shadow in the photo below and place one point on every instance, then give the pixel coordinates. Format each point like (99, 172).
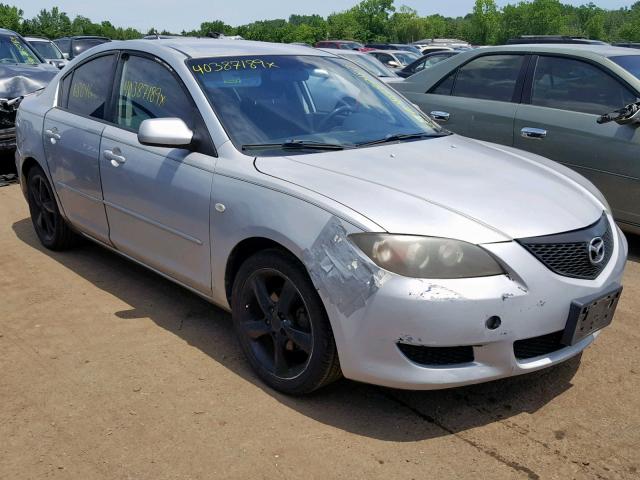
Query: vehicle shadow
(380, 413)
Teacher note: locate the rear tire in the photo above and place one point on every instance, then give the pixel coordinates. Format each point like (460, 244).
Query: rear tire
(281, 324)
(51, 228)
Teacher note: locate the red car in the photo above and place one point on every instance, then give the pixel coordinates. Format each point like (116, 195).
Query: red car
(340, 44)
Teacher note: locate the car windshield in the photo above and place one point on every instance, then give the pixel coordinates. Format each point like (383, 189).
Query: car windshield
(631, 63)
(371, 65)
(351, 46)
(410, 48)
(46, 49)
(83, 44)
(406, 57)
(268, 104)
(14, 50)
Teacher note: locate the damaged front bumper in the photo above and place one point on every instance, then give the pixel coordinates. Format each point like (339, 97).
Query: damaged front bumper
(7, 124)
(431, 334)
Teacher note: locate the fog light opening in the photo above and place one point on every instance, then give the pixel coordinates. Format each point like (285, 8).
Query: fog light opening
(493, 322)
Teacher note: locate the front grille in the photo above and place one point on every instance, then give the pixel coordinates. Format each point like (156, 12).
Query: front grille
(436, 356)
(567, 254)
(537, 346)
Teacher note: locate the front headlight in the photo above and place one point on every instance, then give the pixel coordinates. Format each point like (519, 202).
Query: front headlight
(426, 257)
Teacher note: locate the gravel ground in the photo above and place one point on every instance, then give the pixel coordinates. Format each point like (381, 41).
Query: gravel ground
(109, 371)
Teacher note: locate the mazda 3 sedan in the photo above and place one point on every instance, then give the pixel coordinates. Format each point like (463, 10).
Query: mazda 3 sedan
(346, 232)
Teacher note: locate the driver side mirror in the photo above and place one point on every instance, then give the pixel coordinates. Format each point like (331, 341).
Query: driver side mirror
(165, 132)
(65, 55)
(393, 63)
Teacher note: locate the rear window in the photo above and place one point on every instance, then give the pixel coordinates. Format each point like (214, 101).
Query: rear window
(84, 44)
(631, 63)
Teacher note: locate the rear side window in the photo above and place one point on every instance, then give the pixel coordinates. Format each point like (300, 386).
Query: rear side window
(90, 87)
(149, 90)
(445, 86)
(492, 77)
(568, 84)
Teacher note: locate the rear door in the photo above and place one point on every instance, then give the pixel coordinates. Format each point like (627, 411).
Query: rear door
(157, 199)
(72, 132)
(562, 101)
(478, 99)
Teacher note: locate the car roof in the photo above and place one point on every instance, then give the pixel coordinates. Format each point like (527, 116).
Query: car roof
(83, 36)
(36, 39)
(391, 52)
(588, 51)
(215, 47)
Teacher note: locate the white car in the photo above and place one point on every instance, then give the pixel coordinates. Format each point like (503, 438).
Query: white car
(368, 62)
(394, 59)
(48, 50)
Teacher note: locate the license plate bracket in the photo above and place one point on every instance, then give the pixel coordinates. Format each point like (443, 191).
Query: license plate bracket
(590, 314)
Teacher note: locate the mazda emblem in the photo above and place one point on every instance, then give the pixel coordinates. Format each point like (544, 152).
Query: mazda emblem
(596, 250)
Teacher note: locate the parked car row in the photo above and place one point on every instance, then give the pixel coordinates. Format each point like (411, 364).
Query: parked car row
(346, 231)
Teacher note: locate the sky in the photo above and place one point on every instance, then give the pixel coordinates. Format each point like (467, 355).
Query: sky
(177, 15)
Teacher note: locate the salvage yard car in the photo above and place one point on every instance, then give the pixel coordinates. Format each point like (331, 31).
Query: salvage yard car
(345, 231)
(546, 99)
(47, 50)
(22, 72)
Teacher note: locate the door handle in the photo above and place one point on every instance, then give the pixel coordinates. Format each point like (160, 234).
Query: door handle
(115, 157)
(535, 133)
(52, 134)
(440, 116)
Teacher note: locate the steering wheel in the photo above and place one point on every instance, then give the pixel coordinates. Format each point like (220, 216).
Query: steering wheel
(342, 110)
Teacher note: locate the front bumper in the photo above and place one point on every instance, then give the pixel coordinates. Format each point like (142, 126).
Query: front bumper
(451, 313)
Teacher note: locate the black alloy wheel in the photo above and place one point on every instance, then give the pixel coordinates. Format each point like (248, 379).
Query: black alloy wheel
(51, 228)
(281, 324)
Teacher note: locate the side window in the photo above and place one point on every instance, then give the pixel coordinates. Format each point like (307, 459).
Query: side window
(491, 77)
(91, 86)
(63, 93)
(445, 86)
(578, 86)
(149, 90)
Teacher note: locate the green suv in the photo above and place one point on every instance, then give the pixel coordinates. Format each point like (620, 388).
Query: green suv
(546, 99)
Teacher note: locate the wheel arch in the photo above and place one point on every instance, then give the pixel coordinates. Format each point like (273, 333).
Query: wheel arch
(245, 249)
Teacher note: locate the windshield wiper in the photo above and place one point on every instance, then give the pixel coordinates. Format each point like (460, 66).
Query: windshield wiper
(395, 137)
(296, 145)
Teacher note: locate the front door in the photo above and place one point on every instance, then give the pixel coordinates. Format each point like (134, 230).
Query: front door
(72, 134)
(559, 122)
(157, 199)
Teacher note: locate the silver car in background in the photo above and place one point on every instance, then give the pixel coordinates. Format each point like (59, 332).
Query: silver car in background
(346, 232)
(48, 50)
(368, 62)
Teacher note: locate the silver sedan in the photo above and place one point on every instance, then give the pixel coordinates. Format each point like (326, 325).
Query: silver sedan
(346, 232)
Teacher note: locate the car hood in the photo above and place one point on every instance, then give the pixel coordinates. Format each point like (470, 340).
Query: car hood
(449, 186)
(21, 79)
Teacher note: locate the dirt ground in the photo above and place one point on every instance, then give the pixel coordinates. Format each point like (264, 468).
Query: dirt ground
(107, 371)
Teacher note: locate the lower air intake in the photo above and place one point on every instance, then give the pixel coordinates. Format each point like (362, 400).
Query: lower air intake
(437, 356)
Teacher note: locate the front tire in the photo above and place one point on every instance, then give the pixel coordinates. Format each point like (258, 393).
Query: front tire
(281, 324)
(51, 228)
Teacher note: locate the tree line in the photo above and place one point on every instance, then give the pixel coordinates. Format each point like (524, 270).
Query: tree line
(375, 21)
